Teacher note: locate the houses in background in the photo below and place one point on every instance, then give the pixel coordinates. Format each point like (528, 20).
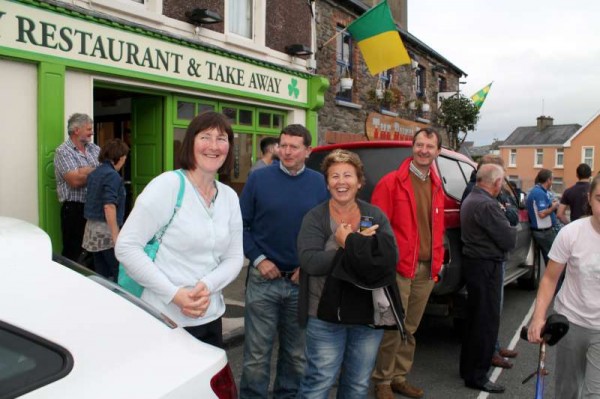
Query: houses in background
(559, 148)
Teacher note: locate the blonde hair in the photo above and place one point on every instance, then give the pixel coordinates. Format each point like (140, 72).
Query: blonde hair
(344, 156)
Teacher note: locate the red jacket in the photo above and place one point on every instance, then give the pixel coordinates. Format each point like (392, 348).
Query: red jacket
(395, 196)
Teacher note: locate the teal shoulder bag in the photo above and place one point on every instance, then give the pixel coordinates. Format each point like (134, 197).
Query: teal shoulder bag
(151, 248)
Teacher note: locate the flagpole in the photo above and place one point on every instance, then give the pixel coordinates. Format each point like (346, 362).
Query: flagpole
(333, 37)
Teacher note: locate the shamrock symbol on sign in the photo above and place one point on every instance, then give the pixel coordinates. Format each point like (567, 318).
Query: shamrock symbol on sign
(293, 88)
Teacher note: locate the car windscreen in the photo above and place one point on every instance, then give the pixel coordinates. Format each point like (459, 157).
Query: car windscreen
(378, 161)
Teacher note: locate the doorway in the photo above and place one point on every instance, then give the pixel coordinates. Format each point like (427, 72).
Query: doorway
(138, 120)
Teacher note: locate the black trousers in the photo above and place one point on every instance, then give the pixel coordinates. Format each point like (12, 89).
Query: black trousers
(72, 228)
(484, 282)
(210, 333)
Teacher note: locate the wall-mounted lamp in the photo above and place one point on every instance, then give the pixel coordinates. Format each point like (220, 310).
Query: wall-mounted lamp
(203, 16)
(297, 50)
(414, 64)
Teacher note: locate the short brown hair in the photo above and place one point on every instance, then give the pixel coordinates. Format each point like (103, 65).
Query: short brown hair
(113, 150)
(298, 131)
(344, 156)
(204, 121)
(428, 132)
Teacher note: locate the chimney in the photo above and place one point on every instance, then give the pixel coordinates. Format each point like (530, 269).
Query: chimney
(543, 122)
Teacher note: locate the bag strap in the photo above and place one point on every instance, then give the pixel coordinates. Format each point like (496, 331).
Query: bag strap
(162, 231)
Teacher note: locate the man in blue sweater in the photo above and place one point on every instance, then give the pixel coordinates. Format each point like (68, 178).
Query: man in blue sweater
(273, 203)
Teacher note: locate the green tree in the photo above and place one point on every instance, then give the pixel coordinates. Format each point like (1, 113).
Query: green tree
(458, 115)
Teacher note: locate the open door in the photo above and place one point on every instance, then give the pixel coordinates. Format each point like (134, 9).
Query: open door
(147, 137)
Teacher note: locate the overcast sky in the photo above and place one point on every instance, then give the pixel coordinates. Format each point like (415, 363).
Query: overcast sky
(534, 51)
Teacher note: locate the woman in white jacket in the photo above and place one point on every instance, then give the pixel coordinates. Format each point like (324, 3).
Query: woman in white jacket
(201, 250)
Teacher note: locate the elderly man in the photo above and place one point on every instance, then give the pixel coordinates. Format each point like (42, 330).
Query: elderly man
(74, 160)
(487, 236)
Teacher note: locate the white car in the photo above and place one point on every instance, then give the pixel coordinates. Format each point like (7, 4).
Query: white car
(67, 335)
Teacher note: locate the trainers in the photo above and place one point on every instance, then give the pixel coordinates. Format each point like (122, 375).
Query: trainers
(499, 361)
(404, 388)
(504, 352)
(383, 391)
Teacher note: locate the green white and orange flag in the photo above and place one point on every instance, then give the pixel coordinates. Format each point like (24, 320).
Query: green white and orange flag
(479, 97)
(378, 39)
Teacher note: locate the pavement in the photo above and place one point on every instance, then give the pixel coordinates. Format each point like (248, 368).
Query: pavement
(233, 319)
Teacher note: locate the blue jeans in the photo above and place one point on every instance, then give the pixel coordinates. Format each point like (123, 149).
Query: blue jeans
(271, 309)
(544, 240)
(329, 347)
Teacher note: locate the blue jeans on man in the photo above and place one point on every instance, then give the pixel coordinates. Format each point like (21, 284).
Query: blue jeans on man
(329, 347)
(544, 240)
(271, 312)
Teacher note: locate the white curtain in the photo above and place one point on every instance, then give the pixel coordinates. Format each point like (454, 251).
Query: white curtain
(240, 17)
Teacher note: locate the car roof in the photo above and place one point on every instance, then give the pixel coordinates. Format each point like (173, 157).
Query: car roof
(118, 349)
(386, 144)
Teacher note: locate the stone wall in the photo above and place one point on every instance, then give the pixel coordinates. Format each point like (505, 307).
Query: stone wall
(337, 118)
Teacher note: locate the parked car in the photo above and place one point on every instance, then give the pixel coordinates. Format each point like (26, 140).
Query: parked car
(66, 332)
(382, 157)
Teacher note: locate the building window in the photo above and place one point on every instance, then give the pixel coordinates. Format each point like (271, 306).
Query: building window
(343, 62)
(239, 17)
(539, 158)
(420, 81)
(558, 185)
(512, 158)
(560, 157)
(587, 156)
(442, 84)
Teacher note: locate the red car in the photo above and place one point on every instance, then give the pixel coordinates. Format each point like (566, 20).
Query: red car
(454, 169)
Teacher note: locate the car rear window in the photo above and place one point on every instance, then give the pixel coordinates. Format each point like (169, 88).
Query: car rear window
(28, 362)
(378, 161)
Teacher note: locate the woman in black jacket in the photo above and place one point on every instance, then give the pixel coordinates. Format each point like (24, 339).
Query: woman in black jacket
(348, 291)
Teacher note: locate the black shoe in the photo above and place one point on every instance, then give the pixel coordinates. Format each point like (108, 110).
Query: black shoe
(489, 386)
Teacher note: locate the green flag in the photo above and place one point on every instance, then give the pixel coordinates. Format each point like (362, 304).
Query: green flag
(378, 39)
(479, 97)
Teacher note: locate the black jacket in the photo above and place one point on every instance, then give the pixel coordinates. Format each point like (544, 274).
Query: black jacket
(316, 262)
(366, 264)
(485, 231)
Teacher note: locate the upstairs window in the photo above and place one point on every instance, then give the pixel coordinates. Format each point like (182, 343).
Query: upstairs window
(442, 84)
(587, 156)
(420, 81)
(240, 18)
(560, 157)
(539, 157)
(343, 62)
(512, 158)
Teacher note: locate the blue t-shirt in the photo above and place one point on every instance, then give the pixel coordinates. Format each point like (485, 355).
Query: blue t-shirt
(539, 199)
(104, 186)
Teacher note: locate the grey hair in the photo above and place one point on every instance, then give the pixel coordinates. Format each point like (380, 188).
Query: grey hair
(489, 173)
(78, 120)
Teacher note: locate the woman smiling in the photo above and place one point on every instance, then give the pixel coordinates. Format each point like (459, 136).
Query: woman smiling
(348, 291)
(200, 251)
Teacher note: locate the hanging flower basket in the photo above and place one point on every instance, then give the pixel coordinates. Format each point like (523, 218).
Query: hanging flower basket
(346, 83)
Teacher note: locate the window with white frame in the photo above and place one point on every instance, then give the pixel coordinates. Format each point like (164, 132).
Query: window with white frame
(539, 157)
(512, 158)
(343, 62)
(560, 158)
(587, 156)
(147, 9)
(240, 18)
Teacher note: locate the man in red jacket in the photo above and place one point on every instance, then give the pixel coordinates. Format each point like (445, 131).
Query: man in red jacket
(412, 198)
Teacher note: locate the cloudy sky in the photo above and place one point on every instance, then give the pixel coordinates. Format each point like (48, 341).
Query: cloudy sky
(543, 57)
